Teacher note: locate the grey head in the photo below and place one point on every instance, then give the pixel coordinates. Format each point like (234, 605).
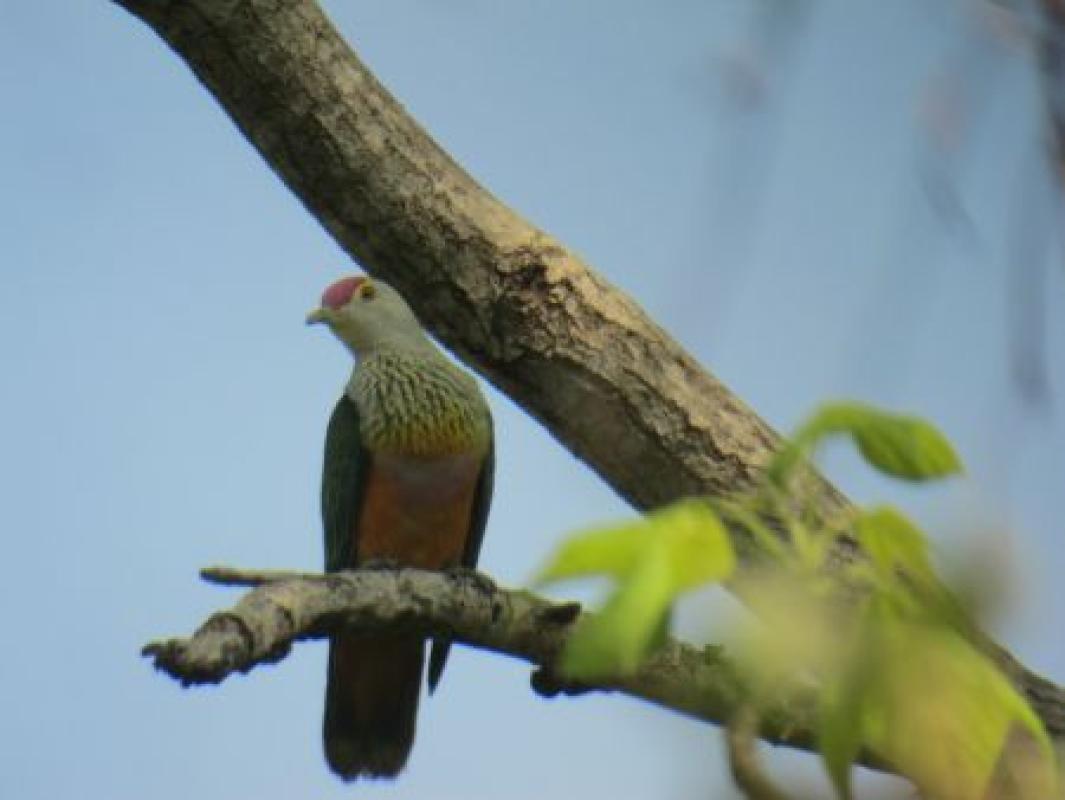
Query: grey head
(368, 315)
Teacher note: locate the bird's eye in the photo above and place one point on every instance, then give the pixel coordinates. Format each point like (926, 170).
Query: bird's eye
(367, 291)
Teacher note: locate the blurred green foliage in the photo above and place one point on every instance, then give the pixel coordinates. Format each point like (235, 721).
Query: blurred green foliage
(652, 561)
(898, 673)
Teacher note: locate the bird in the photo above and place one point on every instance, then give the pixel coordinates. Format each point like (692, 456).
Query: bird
(407, 480)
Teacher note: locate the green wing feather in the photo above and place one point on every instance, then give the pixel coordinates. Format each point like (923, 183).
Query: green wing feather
(372, 687)
(344, 471)
(482, 501)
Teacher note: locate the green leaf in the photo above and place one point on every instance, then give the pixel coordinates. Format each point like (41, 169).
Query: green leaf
(697, 544)
(844, 698)
(697, 547)
(901, 446)
(840, 732)
(892, 542)
(651, 561)
(927, 701)
(905, 447)
(611, 551)
(614, 641)
(941, 712)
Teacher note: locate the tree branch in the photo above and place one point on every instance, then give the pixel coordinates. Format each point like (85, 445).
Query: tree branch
(576, 353)
(517, 306)
(469, 607)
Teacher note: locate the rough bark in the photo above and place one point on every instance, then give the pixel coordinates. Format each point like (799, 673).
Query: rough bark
(576, 353)
(465, 605)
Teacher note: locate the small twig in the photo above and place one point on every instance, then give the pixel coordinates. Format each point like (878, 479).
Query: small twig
(743, 757)
(233, 576)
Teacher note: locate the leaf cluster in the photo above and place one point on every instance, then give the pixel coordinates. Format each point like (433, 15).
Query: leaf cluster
(895, 665)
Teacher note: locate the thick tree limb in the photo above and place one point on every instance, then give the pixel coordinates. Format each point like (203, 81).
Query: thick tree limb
(465, 605)
(514, 303)
(576, 353)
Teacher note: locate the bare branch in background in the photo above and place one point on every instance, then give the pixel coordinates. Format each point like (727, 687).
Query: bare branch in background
(1031, 220)
(755, 77)
(1051, 52)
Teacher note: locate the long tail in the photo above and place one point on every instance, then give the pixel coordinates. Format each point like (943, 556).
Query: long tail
(371, 703)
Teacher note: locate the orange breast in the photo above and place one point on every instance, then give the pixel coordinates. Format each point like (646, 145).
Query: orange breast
(417, 511)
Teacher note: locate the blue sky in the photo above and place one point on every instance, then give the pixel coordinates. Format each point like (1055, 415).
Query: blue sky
(164, 405)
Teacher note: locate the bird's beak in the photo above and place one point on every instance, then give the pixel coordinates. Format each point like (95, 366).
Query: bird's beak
(318, 315)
